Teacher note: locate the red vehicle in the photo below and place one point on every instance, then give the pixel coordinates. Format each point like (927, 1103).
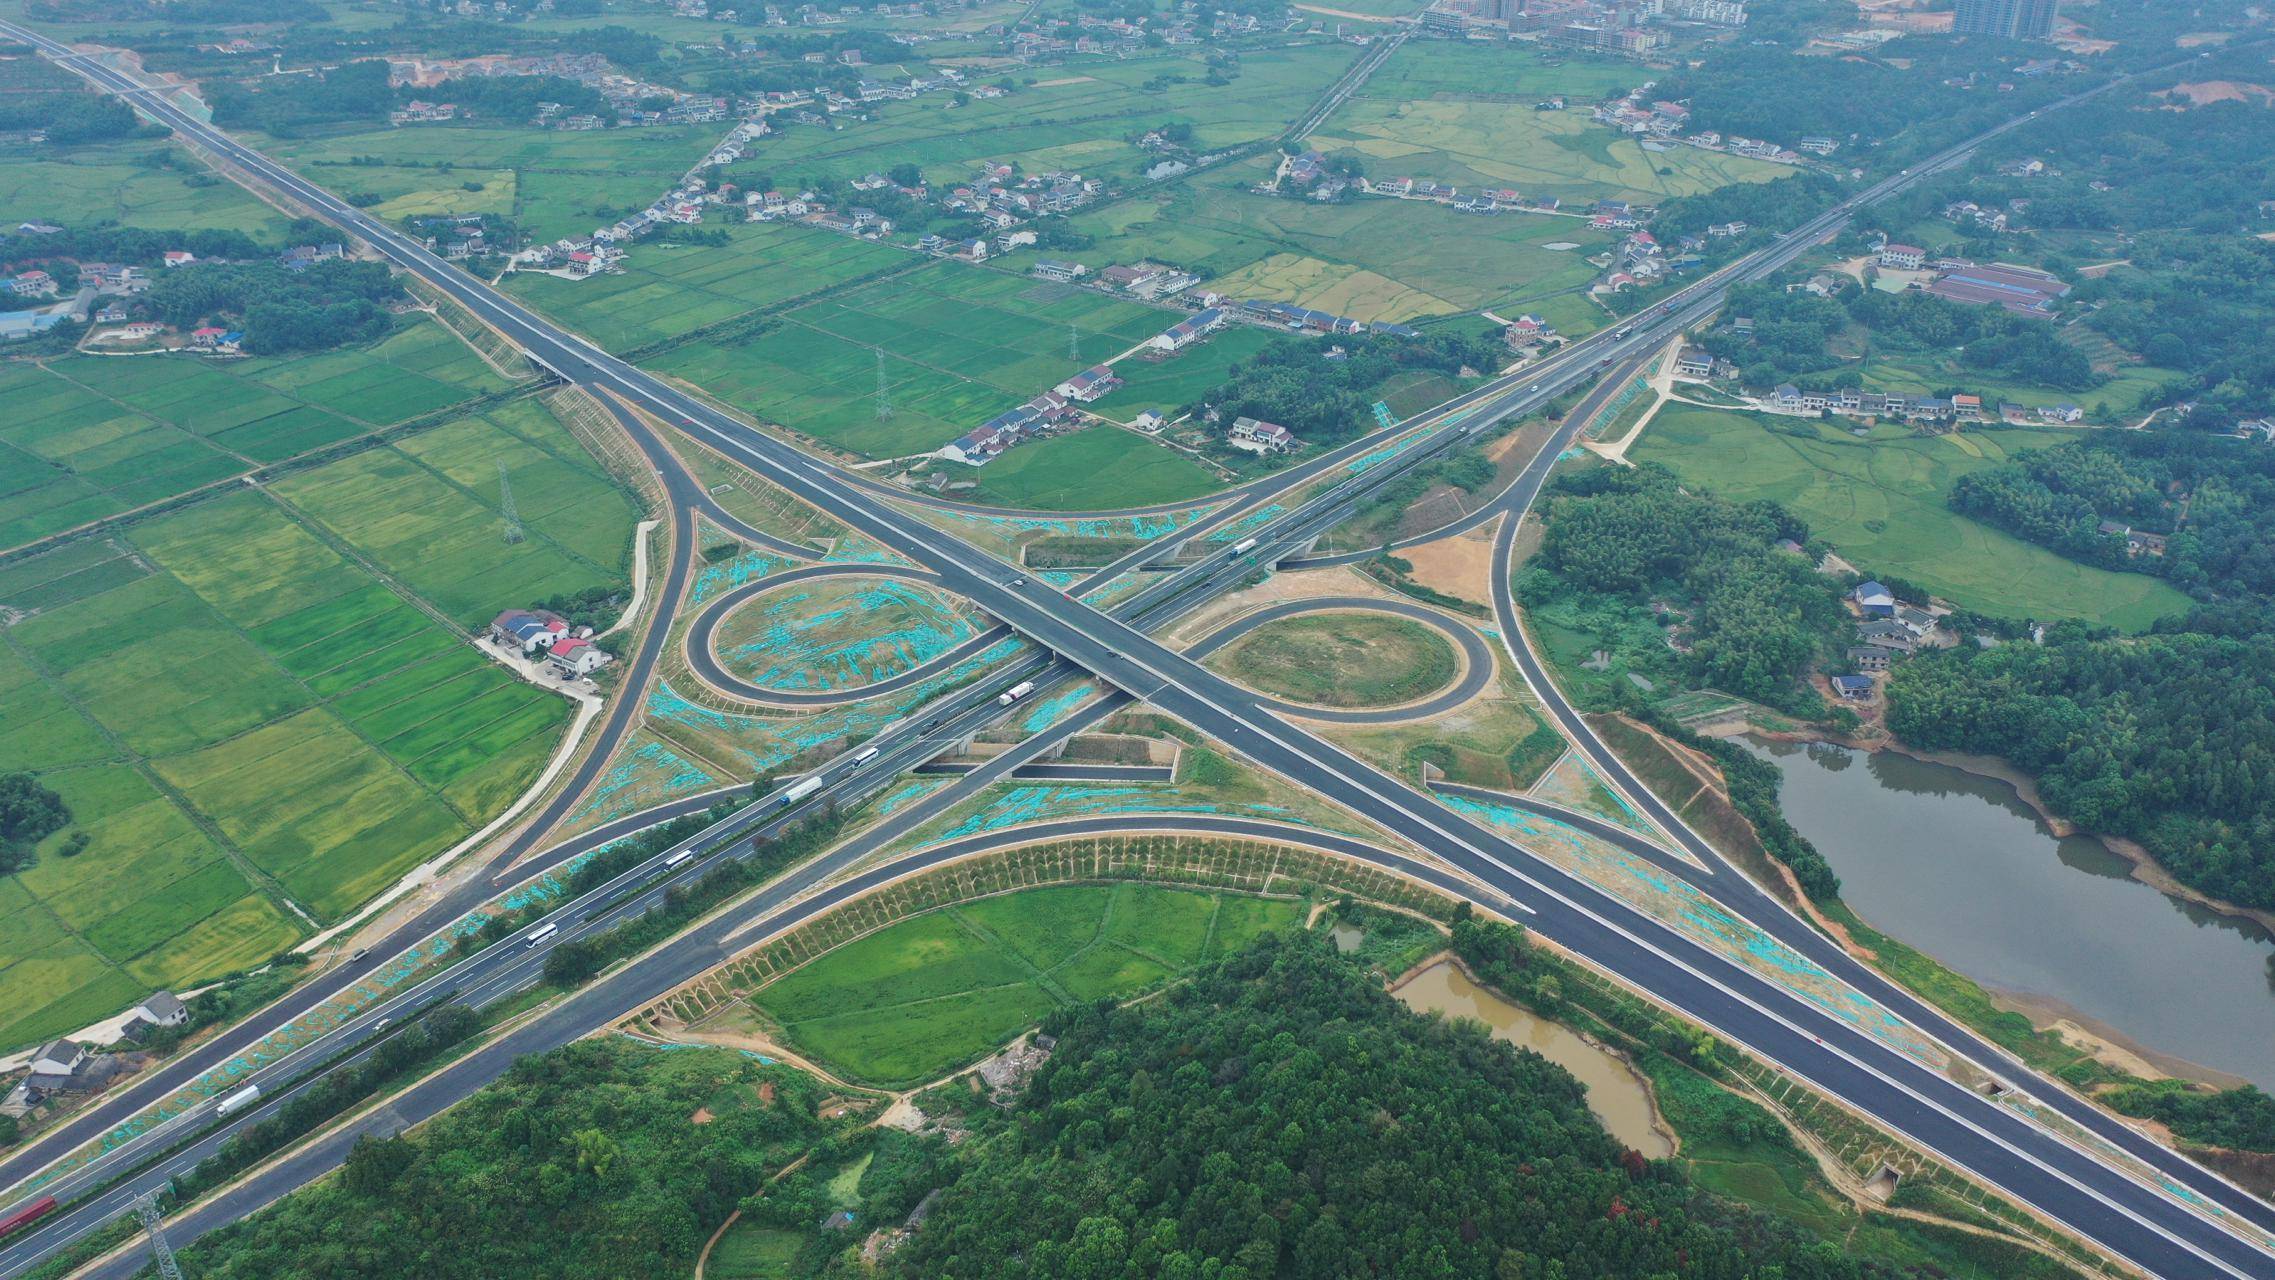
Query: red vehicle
(27, 1215)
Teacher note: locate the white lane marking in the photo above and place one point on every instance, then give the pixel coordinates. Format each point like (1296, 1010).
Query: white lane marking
(1409, 812)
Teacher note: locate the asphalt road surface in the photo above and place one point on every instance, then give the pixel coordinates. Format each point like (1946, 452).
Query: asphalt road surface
(2091, 1197)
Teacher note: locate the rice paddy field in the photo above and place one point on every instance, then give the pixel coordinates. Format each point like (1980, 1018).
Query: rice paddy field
(956, 344)
(93, 436)
(256, 731)
(924, 996)
(550, 183)
(1881, 502)
(1372, 259)
(108, 182)
(1080, 118)
(1464, 114)
(668, 290)
(427, 510)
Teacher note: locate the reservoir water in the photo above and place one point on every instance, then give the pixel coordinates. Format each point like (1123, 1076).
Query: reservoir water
(1957, 865)
(1615, 1094)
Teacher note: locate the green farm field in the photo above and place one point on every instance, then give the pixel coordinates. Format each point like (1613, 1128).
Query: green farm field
(667, 290)
(1077, 118)
(426, 509)
(108, 182)
(1372, 259)
(88, 437)
(958, 345)
(916, 1000)
(1464, 114)
(1092, 469)
(246, 721)
(1881, 503)
(550, 183)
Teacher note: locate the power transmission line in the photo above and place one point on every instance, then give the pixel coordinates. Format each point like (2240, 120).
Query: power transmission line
(884, 393)
(146, 1210)
(505, 506)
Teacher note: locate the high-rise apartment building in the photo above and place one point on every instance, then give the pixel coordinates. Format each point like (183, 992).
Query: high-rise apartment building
(2005, 19)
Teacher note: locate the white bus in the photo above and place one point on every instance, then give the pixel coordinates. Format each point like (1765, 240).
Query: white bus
(865, 755)
(541, 933)
(1244, 546)
(678, 860)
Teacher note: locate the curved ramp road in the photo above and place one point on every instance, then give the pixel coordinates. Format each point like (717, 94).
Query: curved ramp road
(2128, 1215)
(703, 654)
(1477, 659)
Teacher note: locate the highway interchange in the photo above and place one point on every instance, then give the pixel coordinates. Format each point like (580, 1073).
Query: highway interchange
(2092, 1197)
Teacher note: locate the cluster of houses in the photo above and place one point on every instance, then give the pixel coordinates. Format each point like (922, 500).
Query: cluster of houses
(541, 633)
(999, 196)
(67, 1066)
(1661, 123)
(1490, 200)
(1307, 176)
(1639, 260)
(1038, 417)
(1887, 629)
(1958, 409)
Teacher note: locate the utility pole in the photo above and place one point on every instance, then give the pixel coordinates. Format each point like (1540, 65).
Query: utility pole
(505, 506)
(884, 395)
(1073, 343)
(146, 1210)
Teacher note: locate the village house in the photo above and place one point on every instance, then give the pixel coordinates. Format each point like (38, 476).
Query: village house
(1873, 600)
(1260, 437)
(1187, 332)
(1902, 257)
(1058, 272)
(1694, 362)
(1088, 385)
(529, 630)
(575, 657)
(1853, 688)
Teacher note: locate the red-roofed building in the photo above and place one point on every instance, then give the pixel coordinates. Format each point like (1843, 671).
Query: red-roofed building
(574, 658)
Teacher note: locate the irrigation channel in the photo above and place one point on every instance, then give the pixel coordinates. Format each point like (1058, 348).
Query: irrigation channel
(1958, 865)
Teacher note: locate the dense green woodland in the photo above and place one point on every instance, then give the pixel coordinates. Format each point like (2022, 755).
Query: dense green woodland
(1759, 617)
(1326, 401)
(2168, 739)
(327, 305)
(580, 1164)
(1284, 1116)
(2224, 550)
(1796, 336)
(1757, 91)
(69, 118)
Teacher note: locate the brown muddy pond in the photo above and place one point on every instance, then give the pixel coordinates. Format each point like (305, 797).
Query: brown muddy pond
(1615, 1094)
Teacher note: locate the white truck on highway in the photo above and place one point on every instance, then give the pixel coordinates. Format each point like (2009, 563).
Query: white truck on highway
(1015, 693)
(238, 1101)
(801, 790)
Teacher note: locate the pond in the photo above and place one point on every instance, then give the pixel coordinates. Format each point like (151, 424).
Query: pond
(1958, 865)
(1615, 1093)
